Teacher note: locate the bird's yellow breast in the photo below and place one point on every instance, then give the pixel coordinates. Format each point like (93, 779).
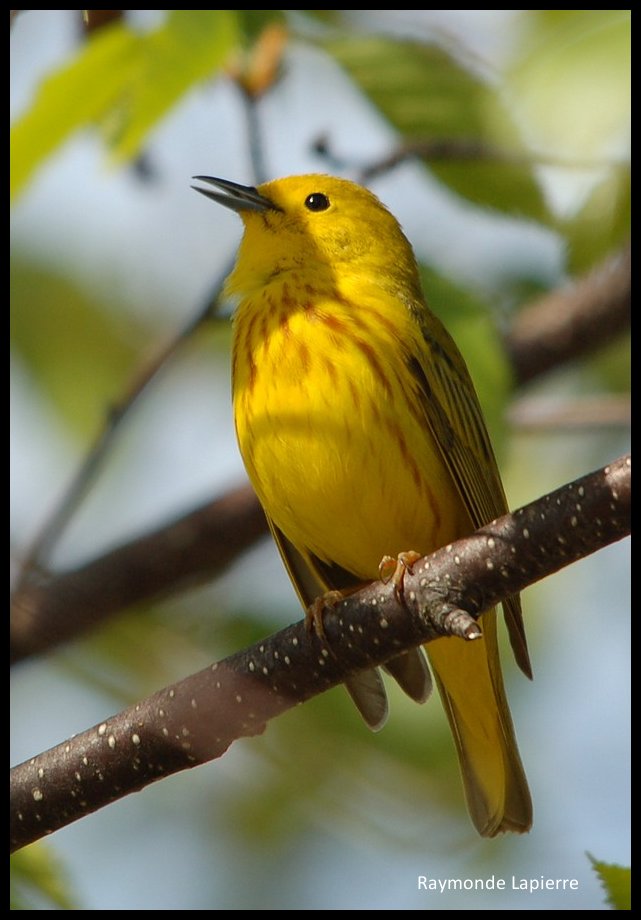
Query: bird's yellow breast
(334, 441)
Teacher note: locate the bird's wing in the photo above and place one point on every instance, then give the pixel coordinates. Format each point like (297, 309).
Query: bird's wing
(450, 405)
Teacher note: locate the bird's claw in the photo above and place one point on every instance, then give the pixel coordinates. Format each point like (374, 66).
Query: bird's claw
(317, 609)
(394, 570)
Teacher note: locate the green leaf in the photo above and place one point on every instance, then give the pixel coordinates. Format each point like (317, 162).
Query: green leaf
(76, 95)
(124, 82)
(77, 351)
(571, 87)
(609, 368)
(616, 883)
(37, 881)
(571, 82)
(192, 45)
(427, 95)
(602, 224)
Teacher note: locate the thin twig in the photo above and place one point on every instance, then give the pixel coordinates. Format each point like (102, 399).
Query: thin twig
(462, 150)
(452, 150)
(38, 553)
(254, 136)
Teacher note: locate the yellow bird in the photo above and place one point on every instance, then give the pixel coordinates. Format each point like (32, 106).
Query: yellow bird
(363, 437)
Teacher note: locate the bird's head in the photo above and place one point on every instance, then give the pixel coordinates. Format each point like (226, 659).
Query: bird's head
(317, 223)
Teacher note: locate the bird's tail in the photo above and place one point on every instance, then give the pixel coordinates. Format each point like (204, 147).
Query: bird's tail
(468, 675)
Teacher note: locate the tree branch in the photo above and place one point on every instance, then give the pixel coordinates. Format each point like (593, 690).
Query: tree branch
(537, 413)
(186, 551)
(572, 321)
(197, 719)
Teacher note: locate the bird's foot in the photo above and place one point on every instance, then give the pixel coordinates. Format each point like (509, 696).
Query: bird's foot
(317, 609)
(394, 570)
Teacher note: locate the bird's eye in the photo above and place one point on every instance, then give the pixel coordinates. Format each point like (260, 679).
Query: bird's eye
(317, 202)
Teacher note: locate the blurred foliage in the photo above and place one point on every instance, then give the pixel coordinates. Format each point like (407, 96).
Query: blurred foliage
(253, 22)
(611, 367)
(602, 224)
(124, 82)
(38, 881)
(67, 338)
(426, 94)
(373, 785)
(616, 881)
(564, 95)
(571, 81)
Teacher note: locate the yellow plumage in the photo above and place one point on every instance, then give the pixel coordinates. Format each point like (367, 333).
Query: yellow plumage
(363, 437)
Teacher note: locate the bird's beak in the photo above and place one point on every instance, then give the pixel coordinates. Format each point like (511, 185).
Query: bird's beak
(237, 197)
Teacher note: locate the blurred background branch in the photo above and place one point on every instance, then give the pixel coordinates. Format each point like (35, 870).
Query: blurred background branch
(572, 321)
(53, 608)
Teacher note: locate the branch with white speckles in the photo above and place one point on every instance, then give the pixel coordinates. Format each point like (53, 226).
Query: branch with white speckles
(197, 719)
